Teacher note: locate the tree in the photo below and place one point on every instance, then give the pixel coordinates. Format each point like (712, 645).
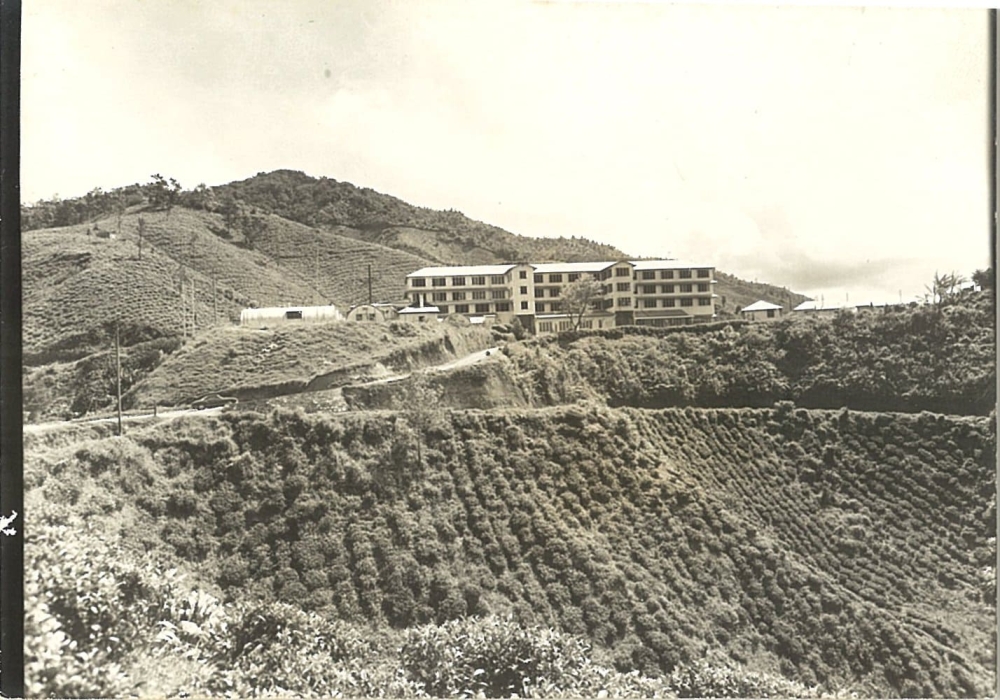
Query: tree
(942, 287)
(420, 405)
(578, 296)
(163, 193)
(984, 278)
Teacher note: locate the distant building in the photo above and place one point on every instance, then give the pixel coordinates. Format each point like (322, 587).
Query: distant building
(761, 311)
(280, 315)
(375, 313)
(817, 308)
(633, 292)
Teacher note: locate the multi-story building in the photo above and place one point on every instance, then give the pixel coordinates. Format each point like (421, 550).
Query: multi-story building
(640, 292)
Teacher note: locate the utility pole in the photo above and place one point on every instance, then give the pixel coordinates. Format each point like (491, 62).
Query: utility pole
(118, 377)
(142, 230)
(369, 284)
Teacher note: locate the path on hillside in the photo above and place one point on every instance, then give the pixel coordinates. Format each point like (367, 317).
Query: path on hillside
(172, 413)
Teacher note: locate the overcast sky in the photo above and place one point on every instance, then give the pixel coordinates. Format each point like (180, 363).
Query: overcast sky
(834, 151)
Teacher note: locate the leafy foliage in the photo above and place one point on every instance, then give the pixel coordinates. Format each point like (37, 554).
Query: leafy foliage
(838, 549)
(905, 360)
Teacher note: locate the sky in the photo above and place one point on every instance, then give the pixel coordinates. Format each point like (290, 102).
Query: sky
(839, 152)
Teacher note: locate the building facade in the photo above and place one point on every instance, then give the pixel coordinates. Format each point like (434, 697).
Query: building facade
(632, 292)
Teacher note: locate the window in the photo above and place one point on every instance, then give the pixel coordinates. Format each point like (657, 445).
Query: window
(497, 279)
(707, 301)
(539, 307)
(687, 302)
(668, 289)
(524, 306)
(649, 274)
(480, 281)
(648, 288)
(443, 308)
(555, 306)
(586, 323)
(503, 306)
(770, 313)
(573, 276)
(545, 326)
(621, 272)
(704, 274)
(667, 274)
(419, 282)
(294, 315)
(623, 286)
(479, 294)
(358, 318)
(498, 294)
(458, 296)
(702, 287)
(458, 281)
(685, 289)
(462, 309)
(670, 303)
(649, 303)
(555, 277)
(482, 308)
(371, 317)
(605, 289)
(442, 296)
(554, 291)
(538, 279)
(625, 301)
(685, 274)
(438, 282)
(605, 274)
(539, 292)
(523, 274)
(524, 290)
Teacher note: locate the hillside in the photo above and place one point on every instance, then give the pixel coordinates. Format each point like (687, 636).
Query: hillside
(834, 548)
(909, 359)
(251, 364)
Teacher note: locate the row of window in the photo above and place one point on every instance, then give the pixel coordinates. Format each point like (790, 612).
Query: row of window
(475, 308)
(671, 303)
(557, 277)
(478, 281)
(477, 295)
(670, 288)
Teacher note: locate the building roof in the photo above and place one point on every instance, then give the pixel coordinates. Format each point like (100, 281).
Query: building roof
(762, 306)
(546, 268)
(667, 264)
(462, 270)
(420, 310)
(813, 305)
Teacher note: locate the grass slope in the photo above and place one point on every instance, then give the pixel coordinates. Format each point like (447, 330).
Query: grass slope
(251, 363)
(845, 549)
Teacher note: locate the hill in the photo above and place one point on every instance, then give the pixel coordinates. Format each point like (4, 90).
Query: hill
(834, 548)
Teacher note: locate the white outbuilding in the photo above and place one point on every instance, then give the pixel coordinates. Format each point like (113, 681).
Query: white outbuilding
(761, 311)
(281, 315)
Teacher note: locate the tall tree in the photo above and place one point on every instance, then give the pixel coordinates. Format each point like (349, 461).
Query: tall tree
(579, 295)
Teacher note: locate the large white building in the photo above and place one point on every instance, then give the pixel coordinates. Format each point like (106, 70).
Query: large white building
(634, 292)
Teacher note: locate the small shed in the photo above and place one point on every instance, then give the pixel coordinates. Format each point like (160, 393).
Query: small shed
(761, 311)
(419, 314)
(280, 315)
(373, 313)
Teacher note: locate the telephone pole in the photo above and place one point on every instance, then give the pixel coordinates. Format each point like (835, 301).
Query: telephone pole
(118, 377)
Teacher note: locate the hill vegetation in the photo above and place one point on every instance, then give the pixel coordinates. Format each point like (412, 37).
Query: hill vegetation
(846, 550)
(936, 358)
